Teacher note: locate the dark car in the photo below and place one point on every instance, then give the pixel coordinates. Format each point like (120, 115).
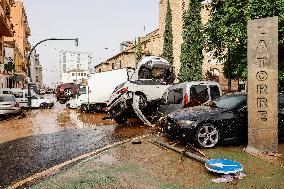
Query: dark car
(223, 120)
(65, 91)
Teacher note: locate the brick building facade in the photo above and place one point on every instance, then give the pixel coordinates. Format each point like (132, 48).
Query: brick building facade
(153, 44)
(210, 64)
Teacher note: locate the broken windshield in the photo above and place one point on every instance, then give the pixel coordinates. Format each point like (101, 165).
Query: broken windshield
(156, 73)
(230, 101)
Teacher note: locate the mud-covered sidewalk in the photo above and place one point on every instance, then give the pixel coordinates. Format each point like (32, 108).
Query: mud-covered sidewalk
(146, 165)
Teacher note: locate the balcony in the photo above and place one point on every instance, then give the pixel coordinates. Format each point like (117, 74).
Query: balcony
(27, 29)
(27, 45)
(6, 27)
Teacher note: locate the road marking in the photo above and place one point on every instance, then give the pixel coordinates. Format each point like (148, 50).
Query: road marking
(53, 170)
(57, 168)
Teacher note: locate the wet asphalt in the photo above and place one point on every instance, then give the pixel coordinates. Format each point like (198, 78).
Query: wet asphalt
(45, 138)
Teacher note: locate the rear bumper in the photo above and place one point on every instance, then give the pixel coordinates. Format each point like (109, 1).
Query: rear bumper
(117, 108)
(119, 105)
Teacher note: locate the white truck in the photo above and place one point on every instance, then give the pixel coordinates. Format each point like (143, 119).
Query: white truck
(98, 90)
(21, 96)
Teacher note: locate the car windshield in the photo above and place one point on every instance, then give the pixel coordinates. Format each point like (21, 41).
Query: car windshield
(230, 101)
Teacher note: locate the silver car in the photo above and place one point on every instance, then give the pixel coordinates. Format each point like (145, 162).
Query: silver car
(8, 104)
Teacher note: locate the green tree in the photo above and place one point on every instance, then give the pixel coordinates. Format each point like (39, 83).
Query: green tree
(193, 44)
(138, 50)
(168, 36)
(226, 32)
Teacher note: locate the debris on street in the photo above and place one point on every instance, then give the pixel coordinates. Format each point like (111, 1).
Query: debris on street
(229, 177)
(215, 165)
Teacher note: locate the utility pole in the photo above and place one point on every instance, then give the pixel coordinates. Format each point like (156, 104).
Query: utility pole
(29, 58)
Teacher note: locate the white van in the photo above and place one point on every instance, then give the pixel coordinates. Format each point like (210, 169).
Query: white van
(188, 94)
(21, 96)
(99, 89)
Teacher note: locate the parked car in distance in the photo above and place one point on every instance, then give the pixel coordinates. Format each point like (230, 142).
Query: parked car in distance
(225, 120)
(8, 105)
(21, 96)
(65, 91)
(188, 94)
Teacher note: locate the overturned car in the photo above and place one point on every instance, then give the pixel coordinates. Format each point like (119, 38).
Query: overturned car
(140, 94)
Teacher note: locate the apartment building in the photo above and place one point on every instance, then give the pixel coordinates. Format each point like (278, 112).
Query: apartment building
(6, 30)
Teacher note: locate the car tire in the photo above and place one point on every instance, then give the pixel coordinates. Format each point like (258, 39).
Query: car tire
(121, 119)
(142, 101)
(67, 92)
(43, 105)
(207, 135)
(98, 108)
(84, 108)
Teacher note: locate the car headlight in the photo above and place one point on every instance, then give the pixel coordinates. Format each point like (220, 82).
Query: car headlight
(184, 122)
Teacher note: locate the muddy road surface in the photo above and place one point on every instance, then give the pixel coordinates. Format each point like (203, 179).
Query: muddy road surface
(45, 138)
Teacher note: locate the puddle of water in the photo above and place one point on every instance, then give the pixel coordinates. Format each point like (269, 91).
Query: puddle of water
(46, 121)
(59, 118)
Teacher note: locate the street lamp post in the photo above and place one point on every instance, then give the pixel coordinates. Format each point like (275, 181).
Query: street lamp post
(29, 58)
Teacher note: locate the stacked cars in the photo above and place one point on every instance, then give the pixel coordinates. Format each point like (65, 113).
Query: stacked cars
(145, 88)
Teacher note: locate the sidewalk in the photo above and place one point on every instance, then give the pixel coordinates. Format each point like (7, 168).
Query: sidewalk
(149, 166)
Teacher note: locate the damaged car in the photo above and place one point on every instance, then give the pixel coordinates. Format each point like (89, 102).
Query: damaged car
(222, 121)
(141, 93)
(188, 94)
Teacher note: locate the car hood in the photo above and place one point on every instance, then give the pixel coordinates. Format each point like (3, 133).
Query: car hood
(196, 113)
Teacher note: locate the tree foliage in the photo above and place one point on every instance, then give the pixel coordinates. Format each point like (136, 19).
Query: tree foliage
(168, 36)
(226, 31)
(193, 44)
(138, 50)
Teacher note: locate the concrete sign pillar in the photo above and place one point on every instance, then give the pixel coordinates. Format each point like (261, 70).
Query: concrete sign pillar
(263, 85)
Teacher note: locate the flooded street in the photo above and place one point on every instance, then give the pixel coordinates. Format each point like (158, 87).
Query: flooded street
(47, 137)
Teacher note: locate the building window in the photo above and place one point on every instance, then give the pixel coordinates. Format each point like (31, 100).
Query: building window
(64, 68)
(73, 74)
(85, 74)
(120, 64)
(112, 65)
(209, 61)
(1, 48)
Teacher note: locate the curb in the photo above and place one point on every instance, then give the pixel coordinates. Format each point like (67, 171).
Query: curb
(80, 159)
(55, 169)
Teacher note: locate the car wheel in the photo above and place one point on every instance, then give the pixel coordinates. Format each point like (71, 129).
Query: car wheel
(84, 108)
(121, 119)
(98, 108)
(207, 135)
(142, 102)
(67, 92)
(43, 106)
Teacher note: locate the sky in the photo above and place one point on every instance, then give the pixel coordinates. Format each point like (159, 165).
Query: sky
(100, 25)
